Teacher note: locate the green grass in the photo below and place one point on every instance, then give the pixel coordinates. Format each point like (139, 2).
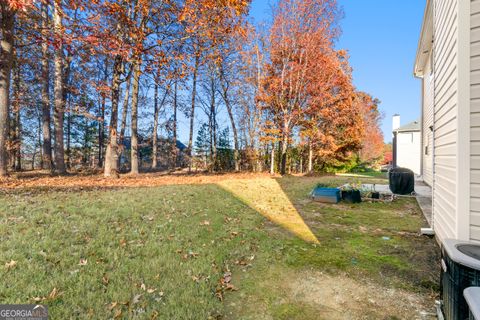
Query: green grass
(161, 252)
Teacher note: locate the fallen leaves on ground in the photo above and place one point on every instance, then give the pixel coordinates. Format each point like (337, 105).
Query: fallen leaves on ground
(42, 179)
(224, 284)
(10, 265)
(54, 294)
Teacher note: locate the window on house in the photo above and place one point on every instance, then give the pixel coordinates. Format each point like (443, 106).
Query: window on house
(426, 150)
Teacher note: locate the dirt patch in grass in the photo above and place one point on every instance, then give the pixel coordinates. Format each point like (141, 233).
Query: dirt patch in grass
(283, 294)
(339, 297)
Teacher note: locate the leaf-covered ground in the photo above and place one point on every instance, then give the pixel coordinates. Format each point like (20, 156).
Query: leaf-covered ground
(218, 247)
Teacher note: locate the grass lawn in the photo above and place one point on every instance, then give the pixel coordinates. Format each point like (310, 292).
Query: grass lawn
(235, 248)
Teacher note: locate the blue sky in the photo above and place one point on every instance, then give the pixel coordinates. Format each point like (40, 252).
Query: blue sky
(381, 37)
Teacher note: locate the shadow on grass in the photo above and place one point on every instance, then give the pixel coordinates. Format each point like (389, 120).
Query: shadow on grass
(179, 238)
(268, 198)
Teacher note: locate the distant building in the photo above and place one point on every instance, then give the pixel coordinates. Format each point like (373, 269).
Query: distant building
(407, 143)
(165, 152)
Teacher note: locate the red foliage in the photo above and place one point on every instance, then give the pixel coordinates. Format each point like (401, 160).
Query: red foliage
(19, 4)
(388, 157)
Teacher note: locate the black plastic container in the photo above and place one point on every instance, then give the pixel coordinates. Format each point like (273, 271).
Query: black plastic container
(401, 181)
(351, 196)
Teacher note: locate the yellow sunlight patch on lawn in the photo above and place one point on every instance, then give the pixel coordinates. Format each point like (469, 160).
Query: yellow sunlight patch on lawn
(267, 197)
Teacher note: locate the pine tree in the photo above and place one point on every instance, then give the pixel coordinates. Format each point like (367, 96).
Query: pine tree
(202, 143)
(225, 155)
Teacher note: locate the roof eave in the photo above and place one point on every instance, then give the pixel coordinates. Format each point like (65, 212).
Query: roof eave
(410, 130)
(425, 42)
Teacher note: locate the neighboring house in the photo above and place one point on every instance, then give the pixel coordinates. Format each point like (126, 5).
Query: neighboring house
(407, 145)
(448, 62)
(164, 152)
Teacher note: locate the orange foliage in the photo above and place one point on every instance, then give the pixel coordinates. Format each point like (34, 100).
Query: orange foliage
(19, 4)
(372, 144)
(308, 82)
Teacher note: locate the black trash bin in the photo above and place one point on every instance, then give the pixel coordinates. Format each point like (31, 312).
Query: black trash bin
(401, 180)
(351, 196)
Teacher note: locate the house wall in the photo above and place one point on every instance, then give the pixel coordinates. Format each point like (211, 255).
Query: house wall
(445, 117)
(408, 150)
(427, 118)
(475, 120)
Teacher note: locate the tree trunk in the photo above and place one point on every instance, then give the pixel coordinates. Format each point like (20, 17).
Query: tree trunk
(69, 139)
(58, 90)
(156, 112)
(39, 137)
(213, 124)
(192, 110)
(123, 123)
(210, 135)
(66, 105)
(101, 122)
(134, 121)
(155, 127)
(283, 155)
(6, 61)
(310, 157)
(126, 98)
(111, 154)
(47, 162)
(272, 159)
(86, 133)
(236, 157)
(34, 154)
(174, 142)
(17, 130)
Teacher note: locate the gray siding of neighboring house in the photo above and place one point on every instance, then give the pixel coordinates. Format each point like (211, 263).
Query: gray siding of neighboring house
(445, 113)
(427, 134)
(475, 120)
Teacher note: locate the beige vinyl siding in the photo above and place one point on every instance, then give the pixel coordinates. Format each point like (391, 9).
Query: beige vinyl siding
(475, 120)
(408, 150)
(445, 117)
(427, 134)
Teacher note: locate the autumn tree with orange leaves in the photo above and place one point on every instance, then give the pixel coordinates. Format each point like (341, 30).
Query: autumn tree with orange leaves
(114, 85)
(305, 76)
(373, 147)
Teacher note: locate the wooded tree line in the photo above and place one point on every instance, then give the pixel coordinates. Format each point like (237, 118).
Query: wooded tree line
(105, 83)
